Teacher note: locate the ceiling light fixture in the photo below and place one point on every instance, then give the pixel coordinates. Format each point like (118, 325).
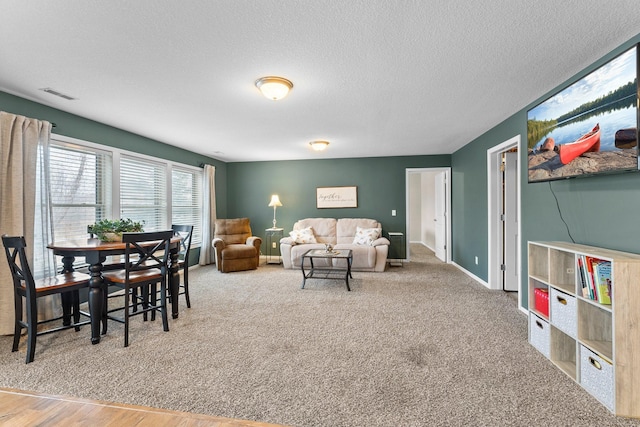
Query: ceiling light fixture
(274, 87)
(319, 145)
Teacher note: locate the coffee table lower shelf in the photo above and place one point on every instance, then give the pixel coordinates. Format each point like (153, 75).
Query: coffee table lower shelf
(326, 272)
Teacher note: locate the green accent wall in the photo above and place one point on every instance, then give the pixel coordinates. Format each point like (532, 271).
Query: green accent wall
(600, 211)
(380, 182)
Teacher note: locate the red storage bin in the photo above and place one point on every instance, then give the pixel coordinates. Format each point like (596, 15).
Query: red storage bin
(542, 300)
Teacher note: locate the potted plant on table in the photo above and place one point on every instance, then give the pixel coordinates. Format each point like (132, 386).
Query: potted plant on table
(110, 230)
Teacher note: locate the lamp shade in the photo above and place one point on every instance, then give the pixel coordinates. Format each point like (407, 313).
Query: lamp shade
(273, 87)
(275, 201)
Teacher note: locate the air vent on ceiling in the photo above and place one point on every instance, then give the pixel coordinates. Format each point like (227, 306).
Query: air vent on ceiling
(56, 93)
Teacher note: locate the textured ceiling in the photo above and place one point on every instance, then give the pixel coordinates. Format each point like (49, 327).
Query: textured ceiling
(374, 77)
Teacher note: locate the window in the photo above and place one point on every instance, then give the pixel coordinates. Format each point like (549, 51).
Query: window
(186, 200)
(143, 192)
(90, 182)
(80, 180)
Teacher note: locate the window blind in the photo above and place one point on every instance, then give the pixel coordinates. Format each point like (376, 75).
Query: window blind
(186, 200)
(80, 185)
(143, 192)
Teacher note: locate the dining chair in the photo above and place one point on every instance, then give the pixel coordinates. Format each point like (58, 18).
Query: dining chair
(27, 290)
(186, 232)
(145, 265)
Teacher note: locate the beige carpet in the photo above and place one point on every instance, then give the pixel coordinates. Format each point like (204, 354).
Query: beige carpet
(418, 345)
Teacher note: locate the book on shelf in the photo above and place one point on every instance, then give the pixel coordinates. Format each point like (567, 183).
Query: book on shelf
(595, 278)
(587, 277)
(602, 277)
(583, 278)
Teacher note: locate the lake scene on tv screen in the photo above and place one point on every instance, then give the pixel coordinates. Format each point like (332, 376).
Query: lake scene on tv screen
(588, 128)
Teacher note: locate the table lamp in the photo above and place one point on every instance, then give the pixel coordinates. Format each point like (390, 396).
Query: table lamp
(275, 202)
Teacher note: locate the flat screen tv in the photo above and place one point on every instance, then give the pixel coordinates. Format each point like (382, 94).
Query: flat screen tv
(589, 128)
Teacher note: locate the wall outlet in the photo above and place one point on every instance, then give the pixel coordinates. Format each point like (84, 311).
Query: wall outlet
(273, 245)
(393, 212)
(476, 260)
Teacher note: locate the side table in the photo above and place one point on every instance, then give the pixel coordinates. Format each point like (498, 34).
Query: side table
(397, 249)
(272, 240)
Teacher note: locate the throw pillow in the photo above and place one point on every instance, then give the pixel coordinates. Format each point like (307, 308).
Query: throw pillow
(366, 236)
(304, 235)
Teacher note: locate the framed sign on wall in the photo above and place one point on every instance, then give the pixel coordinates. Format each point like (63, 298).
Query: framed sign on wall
(336, 197)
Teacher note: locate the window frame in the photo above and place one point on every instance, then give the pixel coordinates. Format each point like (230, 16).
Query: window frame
(116, 156)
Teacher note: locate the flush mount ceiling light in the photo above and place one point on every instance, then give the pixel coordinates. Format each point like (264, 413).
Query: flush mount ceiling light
(319, 145)
(274, 87)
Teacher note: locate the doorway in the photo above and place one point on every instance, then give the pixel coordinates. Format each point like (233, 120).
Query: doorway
(428, 210)
(503, 175)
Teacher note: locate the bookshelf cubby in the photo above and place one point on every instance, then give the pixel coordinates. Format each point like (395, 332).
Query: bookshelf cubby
(605, 347)
(563, 352)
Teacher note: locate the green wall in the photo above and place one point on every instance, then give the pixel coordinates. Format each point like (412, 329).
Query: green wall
(600, 211)
(380, 182)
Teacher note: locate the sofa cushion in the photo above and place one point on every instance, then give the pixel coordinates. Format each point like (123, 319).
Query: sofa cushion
(324, 229)
(304, 235)
(364, 257)
(298, 250)
(346, 228)
(366, 236)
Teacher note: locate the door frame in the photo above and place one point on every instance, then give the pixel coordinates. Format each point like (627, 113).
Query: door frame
(447, 171)
(494, 194)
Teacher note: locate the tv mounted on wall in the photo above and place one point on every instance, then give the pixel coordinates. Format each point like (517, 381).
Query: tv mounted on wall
(589, 128)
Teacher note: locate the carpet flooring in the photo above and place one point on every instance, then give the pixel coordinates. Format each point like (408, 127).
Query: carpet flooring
(419, 345)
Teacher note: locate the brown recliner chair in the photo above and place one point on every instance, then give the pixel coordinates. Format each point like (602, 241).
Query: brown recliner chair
(236, 249)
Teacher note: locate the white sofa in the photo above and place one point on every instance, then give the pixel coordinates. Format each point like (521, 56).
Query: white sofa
(340, 233)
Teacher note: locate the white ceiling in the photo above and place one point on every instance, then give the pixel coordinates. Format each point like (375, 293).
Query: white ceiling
(374, 77)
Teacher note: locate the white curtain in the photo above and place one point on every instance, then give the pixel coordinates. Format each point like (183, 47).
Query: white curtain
(22, 141)
(44, 261)
(207, 255)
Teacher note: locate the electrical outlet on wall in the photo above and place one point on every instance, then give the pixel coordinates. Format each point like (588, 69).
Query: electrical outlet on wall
(393, 212)
(476, 260)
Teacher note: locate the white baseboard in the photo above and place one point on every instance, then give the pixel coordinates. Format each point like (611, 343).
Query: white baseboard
(486, 285)
(473, 276)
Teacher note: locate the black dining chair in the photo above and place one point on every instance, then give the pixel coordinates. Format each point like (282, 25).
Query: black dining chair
(145, 266)
(27, 290)
(186, 232)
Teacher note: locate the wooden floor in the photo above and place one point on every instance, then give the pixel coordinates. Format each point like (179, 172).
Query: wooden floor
(21, 408)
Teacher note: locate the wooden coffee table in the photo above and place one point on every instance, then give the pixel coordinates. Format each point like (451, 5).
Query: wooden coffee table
(330, 271)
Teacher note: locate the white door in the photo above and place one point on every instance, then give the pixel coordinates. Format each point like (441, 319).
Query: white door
(510, 222)
(441, 216)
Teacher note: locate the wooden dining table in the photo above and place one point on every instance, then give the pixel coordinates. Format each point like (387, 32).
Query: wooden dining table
(95, 252)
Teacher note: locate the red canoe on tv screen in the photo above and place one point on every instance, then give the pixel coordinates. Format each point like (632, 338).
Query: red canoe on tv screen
(587, 142)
